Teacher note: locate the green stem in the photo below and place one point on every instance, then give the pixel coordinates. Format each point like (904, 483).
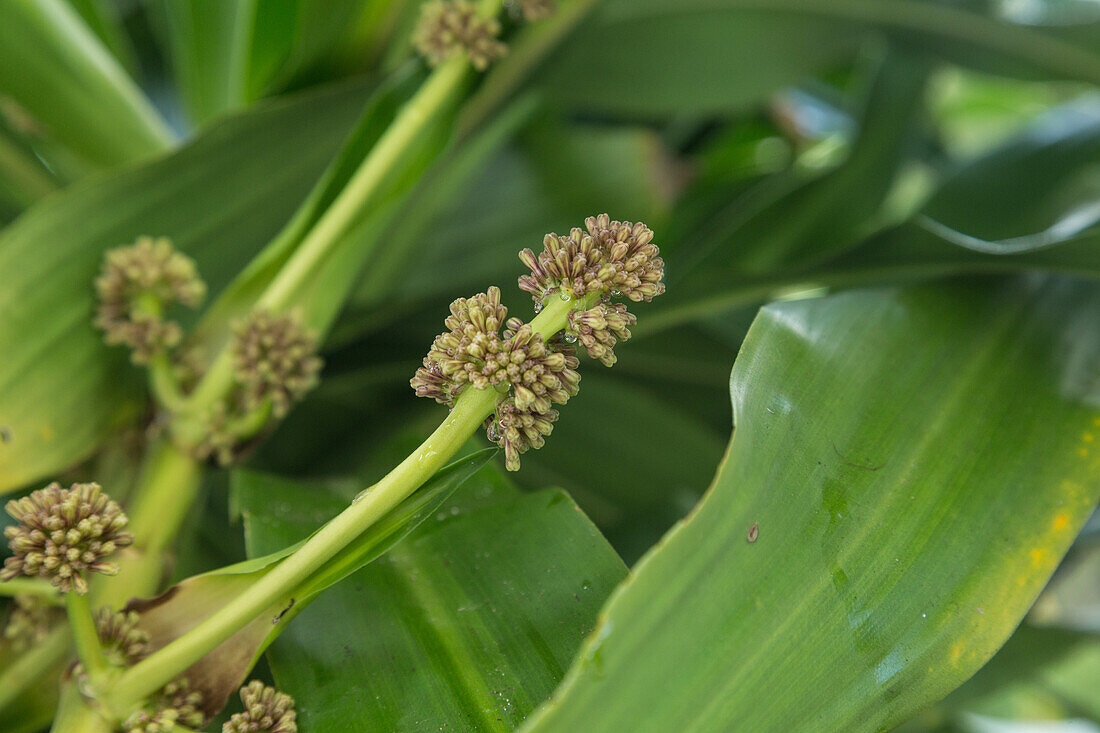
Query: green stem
(30, 666)
(31, 587)
(162, 382)
(167, 488)
(470, 410)
(74, 715)
(86, 637)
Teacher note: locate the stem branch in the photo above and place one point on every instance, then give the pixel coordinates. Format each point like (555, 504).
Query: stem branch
(85, 636)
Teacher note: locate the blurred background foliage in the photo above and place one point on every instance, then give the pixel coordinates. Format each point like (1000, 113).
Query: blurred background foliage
(781, 149)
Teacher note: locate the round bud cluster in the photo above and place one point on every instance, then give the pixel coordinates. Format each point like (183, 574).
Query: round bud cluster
(449, 27)
(274, 359)
(175, 704)
(532, 373)
(29, 621)
(599, 328)
(62, 534)
(611, 257)
(265, 711)
(123, 642)
(134, 286)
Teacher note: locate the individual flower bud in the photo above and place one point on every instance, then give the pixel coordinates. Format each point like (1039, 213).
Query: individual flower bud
(175, 704)
(135, 284)
(611, 257)
(63, 534)
(123, 642)
(274, 359)
(599, 328)
(265, 711)
(29, 621)
(449, 27)
(516, 430)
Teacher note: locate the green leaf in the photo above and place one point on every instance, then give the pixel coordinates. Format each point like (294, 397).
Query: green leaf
(907, 470)
(219, 198)
(653, 57)
(103, 18)
(54, 67)
(209, 42)
(465, 625)
(186, 604)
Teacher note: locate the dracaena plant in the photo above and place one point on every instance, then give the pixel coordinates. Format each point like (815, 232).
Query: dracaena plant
(231, 324)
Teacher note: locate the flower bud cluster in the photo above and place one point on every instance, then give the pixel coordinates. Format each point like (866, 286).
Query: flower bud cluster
(176, 704)
(134, 286)
(533, 374)
(449, 27)
(611, 257)
(29, 621)
(274, 359)
(265, 711)
(63, 534)
(123, 642)
(599, 328)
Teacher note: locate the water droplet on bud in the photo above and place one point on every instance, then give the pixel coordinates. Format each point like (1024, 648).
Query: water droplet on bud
(563, 295)
(492, 432)
(570, 337)
(616, 293)
(538, 307)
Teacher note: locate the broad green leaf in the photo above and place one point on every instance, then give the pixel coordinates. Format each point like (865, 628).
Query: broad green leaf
(55, 68)
(653, 57)
(103, 17)
(219, 198)
(209, 42)
(465, 625)
(908, 468)
(187, 603)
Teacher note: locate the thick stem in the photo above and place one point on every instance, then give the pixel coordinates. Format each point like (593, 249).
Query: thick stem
(74, 715)
(470, 410)
(86, 637)
(169, 482)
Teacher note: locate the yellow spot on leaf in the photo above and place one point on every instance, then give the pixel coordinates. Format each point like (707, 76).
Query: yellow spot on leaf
(1087, 437)
(1039, 556)
(956, 652)
(1083, 452)
(46, 432)
(1060, 522)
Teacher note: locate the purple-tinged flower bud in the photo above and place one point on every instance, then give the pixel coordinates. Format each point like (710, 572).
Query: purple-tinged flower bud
(265, 711)
(63, 534)
(517, 430)
(600, 328)
(150, 272)
(274, 359)
(449, 27)
(611, 257)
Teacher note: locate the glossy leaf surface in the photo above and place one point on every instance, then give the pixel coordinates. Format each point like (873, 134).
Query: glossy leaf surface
(907, 469)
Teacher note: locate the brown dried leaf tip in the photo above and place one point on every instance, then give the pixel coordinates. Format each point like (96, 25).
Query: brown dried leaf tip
(175, 704)
(29, 621)
(449, 27)
(274, 359)
(135, 285)
(123, 642)
(63, 534)
(265, 711)
(534, 374)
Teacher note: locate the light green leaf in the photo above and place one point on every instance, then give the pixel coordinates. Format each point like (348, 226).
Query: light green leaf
(908, 467)
(56, 69)
(103, 18)
(220, 199)
(465, 625)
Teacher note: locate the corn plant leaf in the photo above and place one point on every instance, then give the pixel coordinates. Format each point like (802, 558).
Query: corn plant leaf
(908, 468)
(219, 198)
(58, 71)
(465, 625)
(632, 56)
